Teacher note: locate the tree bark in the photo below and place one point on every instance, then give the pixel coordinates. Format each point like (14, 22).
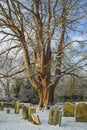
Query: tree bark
(46, 96)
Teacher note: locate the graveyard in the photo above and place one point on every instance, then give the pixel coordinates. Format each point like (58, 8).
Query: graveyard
(43, 64)
(59, 117)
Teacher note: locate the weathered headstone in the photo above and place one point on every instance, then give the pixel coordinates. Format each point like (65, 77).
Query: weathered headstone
(31, 110)
(68, 110)
(17, 105)
(81, 112)
(8, 110)
(55, 116)
(35, 119)
(2, 105)
(51, 114)
(25, 112)
(13, 104)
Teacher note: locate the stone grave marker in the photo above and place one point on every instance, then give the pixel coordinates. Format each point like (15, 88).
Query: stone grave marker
(68, 110)
(81, 112)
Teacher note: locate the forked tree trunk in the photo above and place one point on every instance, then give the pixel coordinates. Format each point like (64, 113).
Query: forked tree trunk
(46, 97)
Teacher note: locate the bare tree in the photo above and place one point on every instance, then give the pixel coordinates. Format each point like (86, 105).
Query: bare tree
(4, 70)
(38, 26)
(8, 68)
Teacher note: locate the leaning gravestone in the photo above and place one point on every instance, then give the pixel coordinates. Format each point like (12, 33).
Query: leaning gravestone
(35, 119)
(81, 112)
(68, 110)
(32, 116)
(55, 116)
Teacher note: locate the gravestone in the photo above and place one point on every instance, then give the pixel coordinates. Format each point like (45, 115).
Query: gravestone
(2, 105)
(13, 104)
(8, 110)
(25, 112)
(17, 105)
(68, 110)
(31, 110)
(81, 112)
(55, 116)
(35, 119)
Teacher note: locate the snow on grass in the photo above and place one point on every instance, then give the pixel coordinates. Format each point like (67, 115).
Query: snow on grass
(15, 122)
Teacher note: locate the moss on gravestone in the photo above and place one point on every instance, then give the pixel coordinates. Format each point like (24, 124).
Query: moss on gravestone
(81, 112)
(68, 110)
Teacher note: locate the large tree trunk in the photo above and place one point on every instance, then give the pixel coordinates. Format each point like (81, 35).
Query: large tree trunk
(44, 32)
(46, 96)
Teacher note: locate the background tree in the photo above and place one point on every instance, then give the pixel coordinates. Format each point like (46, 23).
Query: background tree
(8, 67)
(38, 26)
(71, 88)
(5, 69)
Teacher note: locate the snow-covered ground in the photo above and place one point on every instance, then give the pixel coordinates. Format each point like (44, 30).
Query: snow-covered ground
(15, 122)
